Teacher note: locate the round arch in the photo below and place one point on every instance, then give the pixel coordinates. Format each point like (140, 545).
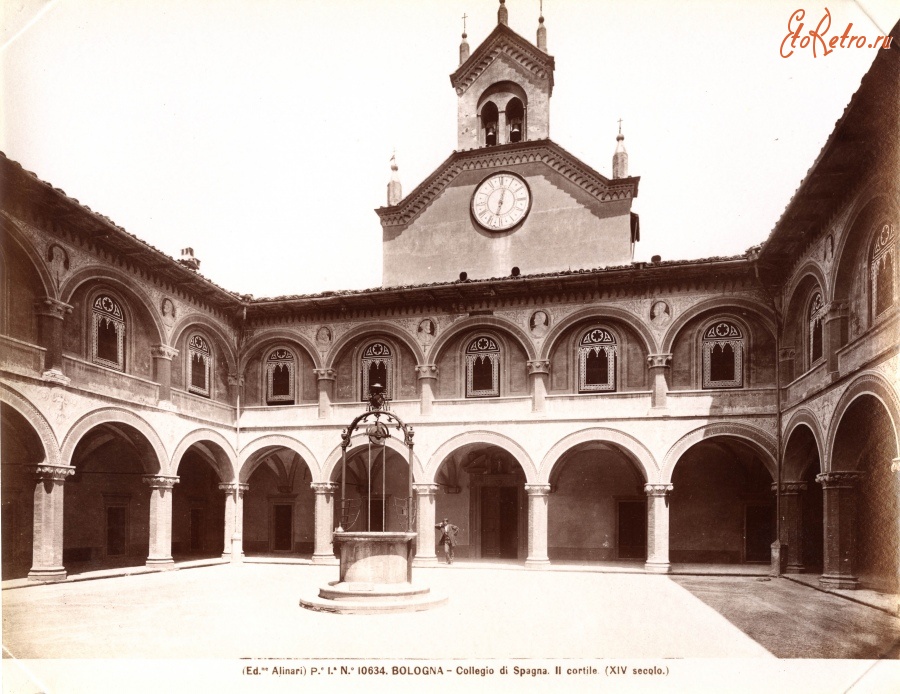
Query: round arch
(479, 323)
(601, 314)
(758, 439)
(633, 448)
(279, 335)
(52, 454)
(10, 230)
(714, 305)
(873, 384)
(199, 321)
(803, 417)
(97, 274)
(116, 415)
(249, 461)
(334, 458)
(813, 270)
(227, 474)
(361, 331)
(489, 438)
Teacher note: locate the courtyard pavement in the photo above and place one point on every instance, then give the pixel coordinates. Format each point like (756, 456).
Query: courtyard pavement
(496, 615)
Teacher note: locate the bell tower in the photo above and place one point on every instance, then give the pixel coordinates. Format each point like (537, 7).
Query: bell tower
(503, 87)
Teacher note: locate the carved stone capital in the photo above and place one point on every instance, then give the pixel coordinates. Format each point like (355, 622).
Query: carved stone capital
(55, 376)
(791, 487)
(425, 489)
(53, 308)
(325, 374)
(324, 487)
(538, 366)
(836, 309)
(54, 473)
(163, 352)
(840, 479)
(659, 361)
(427, 370)
(235, 379)
(657, 489)
(537, 489)
(787, 353)
(160, 481)
(234, 488)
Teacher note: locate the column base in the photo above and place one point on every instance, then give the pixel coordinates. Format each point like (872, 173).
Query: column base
(657, 567)
(425, 561)
(838, 581)
(48, 574)
(162, 563)
(55, 376)
(325, 559)
(536, 563)
(794, 569)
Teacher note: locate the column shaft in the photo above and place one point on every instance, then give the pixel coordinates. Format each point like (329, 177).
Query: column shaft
(162, 369)
(538, 498)
(51, 315)
(323, 550)
(425, 503)
(657, 528)
(47, 546)
(325, 382)
(160, 554)
(792, 525)
(427, 379)
(659, 365)
(840, 529)
(539, 373)
(233, 547)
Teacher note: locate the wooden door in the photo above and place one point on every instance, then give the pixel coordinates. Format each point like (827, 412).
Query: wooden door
(499, 522)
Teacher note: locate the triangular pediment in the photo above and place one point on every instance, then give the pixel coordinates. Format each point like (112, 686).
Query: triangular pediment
(503, 41)
(485, 159)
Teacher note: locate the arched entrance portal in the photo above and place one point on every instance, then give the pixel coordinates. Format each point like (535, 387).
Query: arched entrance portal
(377, 489)
(279, 506)
(106, 517)
(597, 507)
(20, 451)
(198, 505)
(722, 505)
(481, 489)
(867, 544)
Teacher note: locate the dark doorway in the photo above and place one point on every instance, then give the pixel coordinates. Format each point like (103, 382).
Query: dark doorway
(116, 531)
(759, 532)
(196, 530)
(632, 524)
(499, 522)
(283, 531)
(8, 521)
(377, 518)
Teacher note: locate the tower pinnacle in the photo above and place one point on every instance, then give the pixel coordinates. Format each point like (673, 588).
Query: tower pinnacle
(503, 14)
(464, 45)
(542, 31)
(620, 158)
(394, 191)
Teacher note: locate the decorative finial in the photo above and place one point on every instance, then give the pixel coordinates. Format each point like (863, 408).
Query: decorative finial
(620, 136)
(464, 45)
(394, 189)
(464, 18)
(620, 158)
(503, 14)
(542, 31)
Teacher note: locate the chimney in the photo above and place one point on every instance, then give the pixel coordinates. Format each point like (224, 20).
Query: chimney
(188, 260)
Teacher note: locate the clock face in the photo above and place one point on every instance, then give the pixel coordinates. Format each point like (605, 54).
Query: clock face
(501, 201)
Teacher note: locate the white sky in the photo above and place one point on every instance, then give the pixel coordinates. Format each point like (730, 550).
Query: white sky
(260, 131)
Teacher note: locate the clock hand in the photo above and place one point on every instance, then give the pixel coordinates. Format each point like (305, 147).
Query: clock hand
(500, 202)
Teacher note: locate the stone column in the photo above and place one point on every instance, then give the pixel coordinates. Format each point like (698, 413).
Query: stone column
(325, 381)
(834, 334)
(323, 551)
(659, 365)
(425, 502)
(792, 524)
(840, 528)
(657, 528)
(160, 554)
(787, 355)
(427, 378)
(234, 520)
(539, 373)
(538, 495)
(47, 544)
(51, 315)
(162, 369)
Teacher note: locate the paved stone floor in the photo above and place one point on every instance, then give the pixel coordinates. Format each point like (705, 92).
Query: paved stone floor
(494, 613)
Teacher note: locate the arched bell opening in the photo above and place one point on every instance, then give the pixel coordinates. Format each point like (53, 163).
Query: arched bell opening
(106, 517)
(279, 505)
(481, 490)
(20, 451)
(597, 507)
(722, 507)
(490, 124)
(515, 120)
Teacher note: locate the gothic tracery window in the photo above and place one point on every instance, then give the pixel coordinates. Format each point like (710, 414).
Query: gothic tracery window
(108, 333)
(377, 366)
(816, 323)
(280, 368)
(882, 271)
(200, 365)
(482, 368)
(723, 356)
(597, 352)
